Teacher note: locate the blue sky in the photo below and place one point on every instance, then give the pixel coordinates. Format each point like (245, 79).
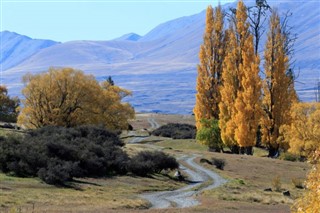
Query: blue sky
(66, 20)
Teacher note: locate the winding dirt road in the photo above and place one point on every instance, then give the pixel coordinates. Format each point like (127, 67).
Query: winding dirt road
(153, 123)
(199, 177)
(185, 197)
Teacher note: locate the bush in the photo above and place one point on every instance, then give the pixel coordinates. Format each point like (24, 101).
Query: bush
(146, 162)
(176, 131)
(276, 183)
(209, 134)
(289, 156)
(298, 183)
(219, 163)
(57, 154)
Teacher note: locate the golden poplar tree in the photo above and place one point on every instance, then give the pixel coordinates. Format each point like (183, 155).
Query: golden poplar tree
(247, 104)
(277, 87)
(211, 57)
(228, 90)
(248, 107)
(240, 93)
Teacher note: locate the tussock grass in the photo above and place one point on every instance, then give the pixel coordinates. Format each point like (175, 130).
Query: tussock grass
(89, 195)
(186, 145)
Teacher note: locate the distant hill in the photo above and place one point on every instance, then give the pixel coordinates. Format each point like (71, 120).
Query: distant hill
(129, 37)
(17, 48)
(160, 67)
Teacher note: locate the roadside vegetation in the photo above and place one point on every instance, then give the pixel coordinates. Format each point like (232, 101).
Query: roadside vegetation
(176, 131)
(57, 155)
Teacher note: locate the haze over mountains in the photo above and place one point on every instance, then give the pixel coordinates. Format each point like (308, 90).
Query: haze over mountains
(159, 67)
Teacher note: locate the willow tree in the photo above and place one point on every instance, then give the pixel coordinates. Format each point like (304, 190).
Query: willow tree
(211, 56)
(278, 95)
(67, 97)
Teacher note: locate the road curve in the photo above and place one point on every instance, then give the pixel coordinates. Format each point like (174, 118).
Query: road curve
(153, 123)
(185, 196)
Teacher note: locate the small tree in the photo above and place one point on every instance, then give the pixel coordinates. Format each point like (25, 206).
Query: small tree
(210, 134)
(303, 134)
(8, 106)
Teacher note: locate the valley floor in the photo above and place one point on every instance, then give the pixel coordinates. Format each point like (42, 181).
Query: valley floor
(240, 188)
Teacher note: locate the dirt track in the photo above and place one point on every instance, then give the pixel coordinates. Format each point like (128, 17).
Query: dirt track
(200, 179)
(185, 197)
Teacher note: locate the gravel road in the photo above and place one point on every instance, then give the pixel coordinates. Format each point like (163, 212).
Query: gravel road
(137, 139)
(185, 197)
(199, 177)
(153, 123)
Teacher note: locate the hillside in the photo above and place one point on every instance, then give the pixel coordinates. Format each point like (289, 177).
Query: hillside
(164, 61)
(16, 48)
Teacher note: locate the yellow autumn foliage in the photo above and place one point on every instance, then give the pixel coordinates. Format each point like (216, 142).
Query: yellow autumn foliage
(310, 201)
(278, 91)
(229, 91)
(67, 97)
(211, 57)
(247, 103)
(303, 134)
(240, 91)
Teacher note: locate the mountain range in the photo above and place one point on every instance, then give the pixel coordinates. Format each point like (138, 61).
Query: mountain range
(159, 67)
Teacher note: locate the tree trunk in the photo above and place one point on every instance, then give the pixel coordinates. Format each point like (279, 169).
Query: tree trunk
(259, 136)
(249, 150)
(235, 149)
(273, 152)
(242, 150)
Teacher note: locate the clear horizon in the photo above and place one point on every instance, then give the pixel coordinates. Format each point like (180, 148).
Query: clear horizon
(67, 20)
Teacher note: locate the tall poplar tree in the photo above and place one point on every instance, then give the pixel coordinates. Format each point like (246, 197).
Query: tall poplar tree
(240, 93)
(228, 90)
(247, 104)
(277, 87)
(248, 107)
(211, 56)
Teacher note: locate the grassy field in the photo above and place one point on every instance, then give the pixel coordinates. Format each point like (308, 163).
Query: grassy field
(248, 177)
(86, 195)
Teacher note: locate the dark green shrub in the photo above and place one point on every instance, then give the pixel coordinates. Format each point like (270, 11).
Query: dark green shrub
(203, 160)
(176, 131)
(146, 162)
(219, 163)
(57, 154)
(58, 171)
(289, 156)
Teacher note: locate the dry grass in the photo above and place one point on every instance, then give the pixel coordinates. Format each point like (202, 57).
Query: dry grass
(89, 195)
(141, 120)
(248, 177)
